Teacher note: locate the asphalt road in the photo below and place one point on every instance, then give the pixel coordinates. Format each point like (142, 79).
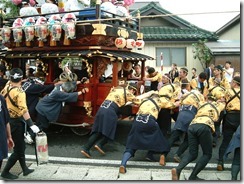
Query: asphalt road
(62, 142)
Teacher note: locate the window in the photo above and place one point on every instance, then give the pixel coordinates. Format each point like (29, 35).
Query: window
(171, 55)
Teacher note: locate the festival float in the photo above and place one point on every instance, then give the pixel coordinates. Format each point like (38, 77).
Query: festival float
(74, 46)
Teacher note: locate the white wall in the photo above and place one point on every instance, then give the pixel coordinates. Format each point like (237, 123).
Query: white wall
(231, 34)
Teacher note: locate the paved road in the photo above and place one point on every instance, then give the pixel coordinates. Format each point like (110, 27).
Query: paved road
(67, 144)
(66, 162)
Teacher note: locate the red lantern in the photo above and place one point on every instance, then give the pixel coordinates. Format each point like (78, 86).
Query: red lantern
(120, 42)
(130, 43)
(140, 44)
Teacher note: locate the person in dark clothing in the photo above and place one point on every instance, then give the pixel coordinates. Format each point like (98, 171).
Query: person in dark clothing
(234, 146)
(194, 73)
(173, 73)
(3, 81)
(50, 106)
(231, 119)
(145, 133)
(188, 109)
(19, 119)
(209, 72)
(105, 123)
(34, 89)
(200, 133)
(5, 132)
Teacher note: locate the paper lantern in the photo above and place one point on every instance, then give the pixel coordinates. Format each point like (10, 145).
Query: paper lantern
(120, 42)
(130, 43)
(140, 44)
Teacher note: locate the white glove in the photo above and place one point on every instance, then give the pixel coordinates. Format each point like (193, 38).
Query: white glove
(35, 128)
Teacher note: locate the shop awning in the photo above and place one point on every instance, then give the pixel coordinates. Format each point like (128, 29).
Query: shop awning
(119, 55)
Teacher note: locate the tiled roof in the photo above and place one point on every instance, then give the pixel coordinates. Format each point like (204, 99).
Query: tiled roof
(118, 54)
(226, 47)
(183, 31)
(175, 34)
(138, 5)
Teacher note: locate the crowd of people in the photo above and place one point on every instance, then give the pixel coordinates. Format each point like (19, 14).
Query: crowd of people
(198, 106)
(49, 7)
(207, 102)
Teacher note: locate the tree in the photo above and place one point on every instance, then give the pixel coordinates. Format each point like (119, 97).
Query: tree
(202, 53)
(8, 4)
(92, 3)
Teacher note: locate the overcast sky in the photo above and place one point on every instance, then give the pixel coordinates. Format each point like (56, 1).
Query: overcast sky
(210, 21)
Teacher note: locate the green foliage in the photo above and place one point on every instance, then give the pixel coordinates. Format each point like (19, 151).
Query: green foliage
(14, 9)
(92, 3)
(202, 53)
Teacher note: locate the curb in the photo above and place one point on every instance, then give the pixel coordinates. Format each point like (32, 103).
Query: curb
(98, 162)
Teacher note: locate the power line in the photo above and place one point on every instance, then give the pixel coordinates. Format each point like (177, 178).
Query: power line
(141, 17)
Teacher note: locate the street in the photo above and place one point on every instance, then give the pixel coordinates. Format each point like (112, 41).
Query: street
(62, 142)
(67, 163)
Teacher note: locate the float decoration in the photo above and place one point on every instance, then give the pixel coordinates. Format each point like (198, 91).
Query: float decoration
(68, 25)
(140, 43)
(120, 42)
(29, 30)
(41, 30)
(55, 29)
(130, 44)
(17, 31)
(5, 33)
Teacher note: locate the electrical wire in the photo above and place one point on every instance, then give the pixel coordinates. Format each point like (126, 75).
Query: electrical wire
(137, 17)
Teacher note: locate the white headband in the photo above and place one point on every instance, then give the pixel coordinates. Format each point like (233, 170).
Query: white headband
(16, 76)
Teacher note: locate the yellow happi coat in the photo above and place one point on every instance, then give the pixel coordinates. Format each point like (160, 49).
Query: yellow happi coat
(119, 95)
(18, 107)
(234, 104)
(194, 97)
(208, 113)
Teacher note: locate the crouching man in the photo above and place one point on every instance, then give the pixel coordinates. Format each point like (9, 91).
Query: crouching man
(200, 132)
(50, 106)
